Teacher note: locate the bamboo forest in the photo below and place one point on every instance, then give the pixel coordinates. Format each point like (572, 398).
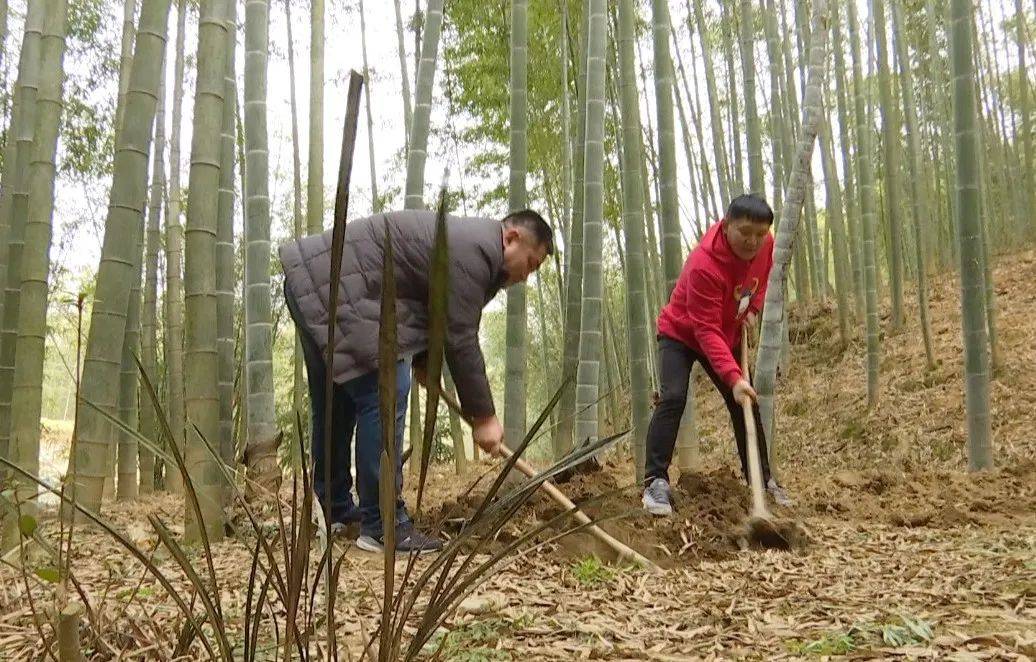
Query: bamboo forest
(491, 330)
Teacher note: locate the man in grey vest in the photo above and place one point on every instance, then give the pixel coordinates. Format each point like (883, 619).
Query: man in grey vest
(485, 255)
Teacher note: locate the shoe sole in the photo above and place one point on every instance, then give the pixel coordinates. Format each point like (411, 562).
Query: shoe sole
(658, 510)
(368, 544)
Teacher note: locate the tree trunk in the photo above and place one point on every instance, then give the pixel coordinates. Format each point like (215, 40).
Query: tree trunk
(315, 169)
(865, 172)
(672, 253)
(149, 336)
(633, 229)
(574, 277)
(756, 181)
(460, 456)
(919, 192)
(587, 375)
(852, 210)
(14, 205)
(298, 221)
(843, 281)
(566, 118)
(202, 401)
(129, 10)
(262, 438)
(225, 273)
(890, 142)
(726, 22)
(418, 152)
(798, 179)
(35, 260)
(408, 113)
(375, 200)
(719, 145)
(174, 332)
(119, 270)
(973, 321)
(514, 381)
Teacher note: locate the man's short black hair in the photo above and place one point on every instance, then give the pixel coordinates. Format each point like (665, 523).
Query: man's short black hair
(750, 206)
(535, 224)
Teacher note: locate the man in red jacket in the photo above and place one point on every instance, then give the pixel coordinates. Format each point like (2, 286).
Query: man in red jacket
(721, 287)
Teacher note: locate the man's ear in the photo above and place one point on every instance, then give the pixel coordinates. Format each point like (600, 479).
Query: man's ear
(511, 234)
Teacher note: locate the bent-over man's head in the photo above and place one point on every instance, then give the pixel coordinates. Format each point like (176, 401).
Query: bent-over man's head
(528, 240)
(746, 225)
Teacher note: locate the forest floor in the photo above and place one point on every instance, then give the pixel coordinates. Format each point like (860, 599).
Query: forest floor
(906, 555)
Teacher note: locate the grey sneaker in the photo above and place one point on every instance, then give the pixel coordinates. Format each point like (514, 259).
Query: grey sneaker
(657, 499)
(408, 541)
(777, 493)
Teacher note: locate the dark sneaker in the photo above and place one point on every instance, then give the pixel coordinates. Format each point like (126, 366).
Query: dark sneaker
(408, 541)
(657, 498)
(777, 493)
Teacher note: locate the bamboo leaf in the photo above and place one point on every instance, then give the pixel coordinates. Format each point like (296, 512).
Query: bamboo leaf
(438, 297)
(387, 389)
(48, 574)
(27, 525)
(122, 540)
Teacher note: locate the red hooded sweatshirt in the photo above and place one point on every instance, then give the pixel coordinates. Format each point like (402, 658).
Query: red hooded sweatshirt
(702, 312)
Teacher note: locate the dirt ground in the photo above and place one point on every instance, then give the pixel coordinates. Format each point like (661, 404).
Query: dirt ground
(904, 554)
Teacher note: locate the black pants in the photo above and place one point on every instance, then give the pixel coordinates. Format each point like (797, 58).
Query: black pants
(675, 361)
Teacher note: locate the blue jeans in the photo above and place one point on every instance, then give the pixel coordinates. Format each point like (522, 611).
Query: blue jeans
(355, 405)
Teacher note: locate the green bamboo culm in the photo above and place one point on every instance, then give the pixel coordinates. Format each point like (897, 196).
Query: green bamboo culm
(299, 221)
(672, 253)
(149, 323)
(262, 436)
(514, 380)
(417, 154)
(315, 168)
(756, 181)
(225, 275)
(1024, 100)
(14, 205)
(865, 172)
(119, 268)
(973, 317)
(27, 391)
(839, 247)
(574, 259)
(129, 28)
(587, 374)
(408, 112)
(200, 367)
(918, 190)
(174, 303)
(376, 203)
(633, 232)
(890, 144)
(719, 145)
(418, 151)
(848, 167)
(787, 232)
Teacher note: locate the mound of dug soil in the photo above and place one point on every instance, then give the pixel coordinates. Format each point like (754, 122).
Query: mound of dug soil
(938, 499)
(709, 523)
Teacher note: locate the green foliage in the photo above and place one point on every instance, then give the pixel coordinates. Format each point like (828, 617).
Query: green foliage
(474, 641)
(49, 574)
(477, 52)
(592, 572)
(908, 632)
(832, 644)
(27, 525)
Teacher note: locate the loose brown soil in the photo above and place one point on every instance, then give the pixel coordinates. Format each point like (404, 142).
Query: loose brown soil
(895, 530)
